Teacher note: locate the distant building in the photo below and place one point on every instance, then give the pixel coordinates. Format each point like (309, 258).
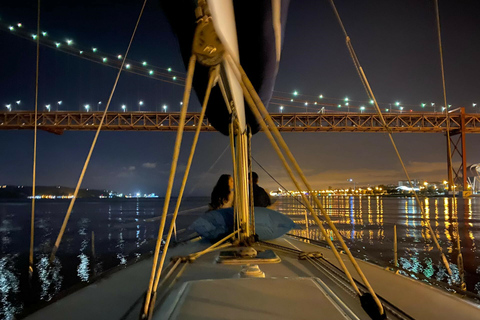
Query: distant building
(405, 183)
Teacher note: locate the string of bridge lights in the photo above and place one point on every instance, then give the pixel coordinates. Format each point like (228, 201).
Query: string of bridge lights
(281, 99)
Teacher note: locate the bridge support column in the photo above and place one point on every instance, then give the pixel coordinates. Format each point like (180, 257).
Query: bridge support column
(457, 151)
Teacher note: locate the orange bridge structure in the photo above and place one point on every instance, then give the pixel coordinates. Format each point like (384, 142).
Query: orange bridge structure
(460, 123)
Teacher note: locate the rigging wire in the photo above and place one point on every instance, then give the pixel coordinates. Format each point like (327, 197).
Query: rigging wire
(202, 177)
(450, 164)
(70, 208)
(240, 74)
(173, 168)
(32, 222)
(389, 131)
(213, 76)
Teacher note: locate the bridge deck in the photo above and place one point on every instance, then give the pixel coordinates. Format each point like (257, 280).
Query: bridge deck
(59, 121)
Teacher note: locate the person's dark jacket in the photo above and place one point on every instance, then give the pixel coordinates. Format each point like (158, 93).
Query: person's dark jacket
(260, 197)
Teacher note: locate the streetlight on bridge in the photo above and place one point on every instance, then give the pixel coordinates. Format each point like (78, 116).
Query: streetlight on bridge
(87, 107)
(140, 103)
(9, 107)
(47, 107)
(59, 103)
(98, 105)
(165, 108)
(124, 108)
(281, 109)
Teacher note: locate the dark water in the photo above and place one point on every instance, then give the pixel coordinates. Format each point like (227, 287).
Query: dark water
(126, 229)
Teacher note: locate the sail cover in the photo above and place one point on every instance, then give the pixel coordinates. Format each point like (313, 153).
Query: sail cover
(259, 28)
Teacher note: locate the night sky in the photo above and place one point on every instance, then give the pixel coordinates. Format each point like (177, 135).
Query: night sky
(396, 42)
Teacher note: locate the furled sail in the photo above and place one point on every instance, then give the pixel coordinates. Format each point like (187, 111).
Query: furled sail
(259, 29)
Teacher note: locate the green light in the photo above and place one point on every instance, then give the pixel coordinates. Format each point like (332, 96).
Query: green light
(127, 66)
(386, 110)
(34, 36)
(119, 56)
(339, 106)
(19, 25)
(174, 78)
(295, 93)
(321, 96)
(69, 42)
(291, 100)
(150, 72)
(11, 28)
(81, 52)
(57, 44)
(397, 103)
(144, 63)
(169, 69)
(104, 59)
(346, 104)
(94, 49)
(423, 105)
(346, 99)
(371, 101)
(44, 33)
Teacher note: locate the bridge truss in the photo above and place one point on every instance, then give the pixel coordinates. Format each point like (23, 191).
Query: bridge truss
(460, 124)
(60, 121)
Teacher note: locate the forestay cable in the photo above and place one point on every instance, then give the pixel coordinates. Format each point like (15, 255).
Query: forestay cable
(255, 102)
(173, 168)
(32, 222)
(79, 183)
(389, 131)
(211, 82)
(265, 129)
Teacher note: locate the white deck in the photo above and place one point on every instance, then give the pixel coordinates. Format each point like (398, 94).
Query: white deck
(112, 297)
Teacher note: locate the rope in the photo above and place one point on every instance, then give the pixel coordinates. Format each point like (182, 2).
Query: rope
(251, 198)
(173, 168)
(216, 245)
(70, 207)
(213, 75)
(32, 222)
(256, 112)
(450, 164)
(236, 220)
(389, 131)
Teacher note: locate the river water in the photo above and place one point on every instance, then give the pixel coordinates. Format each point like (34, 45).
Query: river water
(124, 229)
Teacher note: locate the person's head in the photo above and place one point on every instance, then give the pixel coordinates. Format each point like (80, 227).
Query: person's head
(221, 191)
(254, 177)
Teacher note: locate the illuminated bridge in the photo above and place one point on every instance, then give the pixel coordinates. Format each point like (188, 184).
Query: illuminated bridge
(59, 121)
(460, 124)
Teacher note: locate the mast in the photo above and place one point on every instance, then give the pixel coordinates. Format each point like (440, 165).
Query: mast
(223, 18)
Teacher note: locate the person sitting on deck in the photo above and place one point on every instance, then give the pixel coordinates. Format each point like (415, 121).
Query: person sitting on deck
(222, 194)
(260, 196)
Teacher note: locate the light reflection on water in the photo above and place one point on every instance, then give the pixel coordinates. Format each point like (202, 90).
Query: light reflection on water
(124, 230)
(366, 223)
